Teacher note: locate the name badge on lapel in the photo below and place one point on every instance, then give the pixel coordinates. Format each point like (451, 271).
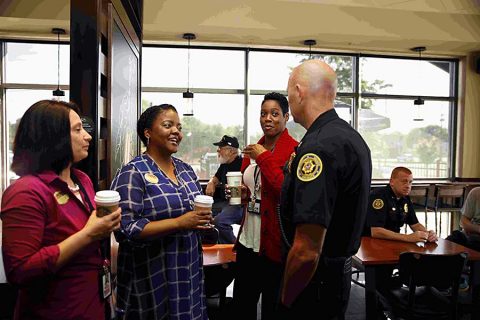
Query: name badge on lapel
(62, 198)
(150, 177)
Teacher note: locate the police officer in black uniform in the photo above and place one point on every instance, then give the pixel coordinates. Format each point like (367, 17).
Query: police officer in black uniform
(390, 208)
(388, 211)
(324, 199)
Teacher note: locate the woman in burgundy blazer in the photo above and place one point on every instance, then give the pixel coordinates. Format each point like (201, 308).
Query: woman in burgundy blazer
(51, 247)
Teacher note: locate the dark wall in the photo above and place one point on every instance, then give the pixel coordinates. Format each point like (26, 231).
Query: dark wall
(84, 70)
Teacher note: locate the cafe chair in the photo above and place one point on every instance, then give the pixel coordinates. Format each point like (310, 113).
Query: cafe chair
(419, 197)
(430, 286)
(358, 271)
(448, 198)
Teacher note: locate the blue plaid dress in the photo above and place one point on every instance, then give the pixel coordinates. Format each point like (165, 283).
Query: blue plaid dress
(160, 278)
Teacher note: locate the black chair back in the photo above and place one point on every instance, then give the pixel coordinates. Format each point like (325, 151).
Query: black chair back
(419, 196)
(439, 271)
(431, 270)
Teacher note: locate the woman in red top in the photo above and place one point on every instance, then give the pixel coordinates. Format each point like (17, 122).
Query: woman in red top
(51, 233)
(259, 268)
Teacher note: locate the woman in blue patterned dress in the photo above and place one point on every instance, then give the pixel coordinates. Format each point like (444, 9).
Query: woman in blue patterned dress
(160, 257)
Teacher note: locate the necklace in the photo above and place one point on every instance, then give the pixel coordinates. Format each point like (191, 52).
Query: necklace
(174, 178)
(75, 188)
(156, 163)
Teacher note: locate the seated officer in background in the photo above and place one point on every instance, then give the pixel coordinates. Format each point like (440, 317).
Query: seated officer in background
(229, 159)
(390, 208)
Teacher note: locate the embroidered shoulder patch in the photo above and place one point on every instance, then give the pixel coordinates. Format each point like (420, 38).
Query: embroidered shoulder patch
(377, 204)
(309, 167)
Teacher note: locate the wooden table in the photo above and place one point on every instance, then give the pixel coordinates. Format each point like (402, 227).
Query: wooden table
(218, 267)
(218, 254)
(377, 252)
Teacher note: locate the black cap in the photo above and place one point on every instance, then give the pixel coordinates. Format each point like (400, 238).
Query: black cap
(227, 141)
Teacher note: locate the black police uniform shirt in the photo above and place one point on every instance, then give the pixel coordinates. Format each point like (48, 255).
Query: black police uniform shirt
(221, 175)
(386, 211)
(327, 182)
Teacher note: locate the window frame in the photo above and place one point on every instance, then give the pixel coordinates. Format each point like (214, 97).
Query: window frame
(355, 95)
(4, 86)
(452, 99)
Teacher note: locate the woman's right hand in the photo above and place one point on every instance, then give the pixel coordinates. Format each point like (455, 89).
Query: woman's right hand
(99, 228)
(195, 220)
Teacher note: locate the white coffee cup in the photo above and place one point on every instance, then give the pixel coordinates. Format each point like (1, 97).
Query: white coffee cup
(107, 202)
(202, 202)
(234, 181)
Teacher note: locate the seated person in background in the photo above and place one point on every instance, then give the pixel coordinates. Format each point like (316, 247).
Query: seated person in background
(229, 159)
(390, 208)
(470, 222)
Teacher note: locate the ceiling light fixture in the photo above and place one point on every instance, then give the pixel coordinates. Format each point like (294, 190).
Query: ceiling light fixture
(57, 93)
(187, 95)
(310, 43)
(419, 101)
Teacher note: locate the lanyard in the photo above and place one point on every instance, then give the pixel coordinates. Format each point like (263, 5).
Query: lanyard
(89, 204)
(104, 244)
(256, 188)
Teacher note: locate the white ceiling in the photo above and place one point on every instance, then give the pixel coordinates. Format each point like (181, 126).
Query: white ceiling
(445, 27)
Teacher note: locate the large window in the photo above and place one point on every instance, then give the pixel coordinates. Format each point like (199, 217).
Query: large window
(269, 71)
(35, 63)
(378, 101)
(30, 75)
(398, 131)
(17, 101)
(215, 115)
(214, 69)
(217, 78)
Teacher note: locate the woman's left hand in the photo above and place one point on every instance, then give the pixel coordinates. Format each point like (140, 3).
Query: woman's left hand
(253, 150)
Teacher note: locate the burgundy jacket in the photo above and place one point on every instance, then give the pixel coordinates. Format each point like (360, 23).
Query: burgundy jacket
(38, 212)
(271, 167)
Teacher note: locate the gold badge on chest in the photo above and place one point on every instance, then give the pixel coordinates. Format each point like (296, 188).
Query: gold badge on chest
(150, 177)
(62, 198)
(405, 208)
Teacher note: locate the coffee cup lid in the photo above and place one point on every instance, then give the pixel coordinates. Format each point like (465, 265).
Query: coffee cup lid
(234, 174)
(204, 199)
(107, 196)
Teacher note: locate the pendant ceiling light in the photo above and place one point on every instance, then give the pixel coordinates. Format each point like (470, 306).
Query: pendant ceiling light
(187, 95)
(310, 43)
(419, 101)
(58, 93)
